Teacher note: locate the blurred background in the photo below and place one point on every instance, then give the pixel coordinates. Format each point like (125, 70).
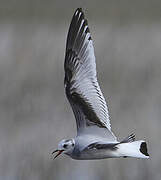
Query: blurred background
(34, 112)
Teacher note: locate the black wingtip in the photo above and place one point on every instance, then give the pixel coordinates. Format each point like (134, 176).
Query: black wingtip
(78, 10)
(143, 148)
(130, 138)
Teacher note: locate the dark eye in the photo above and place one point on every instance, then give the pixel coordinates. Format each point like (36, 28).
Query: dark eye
(65, 146)
(73, 144)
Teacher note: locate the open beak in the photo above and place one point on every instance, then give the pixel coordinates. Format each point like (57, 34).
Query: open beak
(59, 152)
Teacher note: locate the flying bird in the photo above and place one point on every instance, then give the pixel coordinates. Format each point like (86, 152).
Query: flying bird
(95, 139)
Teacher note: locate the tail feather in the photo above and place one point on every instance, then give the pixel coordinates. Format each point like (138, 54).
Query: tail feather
(136, 149)
(143, 149)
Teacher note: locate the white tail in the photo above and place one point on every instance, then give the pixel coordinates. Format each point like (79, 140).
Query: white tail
(136, 149)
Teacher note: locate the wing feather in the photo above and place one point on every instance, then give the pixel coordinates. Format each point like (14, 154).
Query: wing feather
(82, 88)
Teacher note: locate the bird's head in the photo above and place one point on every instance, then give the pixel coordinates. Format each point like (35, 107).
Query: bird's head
(65, 146)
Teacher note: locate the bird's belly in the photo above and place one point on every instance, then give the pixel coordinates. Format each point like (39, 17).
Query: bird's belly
(96, 154)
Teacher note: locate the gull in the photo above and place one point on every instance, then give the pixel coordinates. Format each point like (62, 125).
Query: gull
(95, 139)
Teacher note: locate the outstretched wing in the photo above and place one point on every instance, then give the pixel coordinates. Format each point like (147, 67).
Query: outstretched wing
(82, 88)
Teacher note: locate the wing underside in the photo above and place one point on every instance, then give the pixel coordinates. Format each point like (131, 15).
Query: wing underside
(81, 86)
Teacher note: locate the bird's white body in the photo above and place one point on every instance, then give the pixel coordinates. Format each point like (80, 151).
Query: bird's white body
(113, 149)
(95, 139)
(83, 141)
